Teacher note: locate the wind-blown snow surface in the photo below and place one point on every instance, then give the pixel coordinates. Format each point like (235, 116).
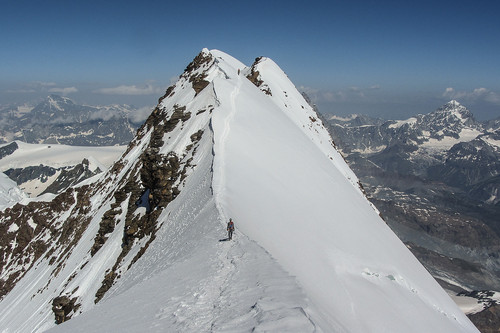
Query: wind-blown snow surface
(310, 253)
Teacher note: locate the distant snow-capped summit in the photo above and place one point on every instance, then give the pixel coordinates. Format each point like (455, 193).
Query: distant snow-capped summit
(58, 119)
(451, 118)
(57, 102)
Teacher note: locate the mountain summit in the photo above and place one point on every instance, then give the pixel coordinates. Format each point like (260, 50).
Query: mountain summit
(147, 240)
(452, 117)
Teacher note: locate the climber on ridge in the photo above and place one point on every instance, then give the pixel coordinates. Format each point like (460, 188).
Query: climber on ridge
(230, 229)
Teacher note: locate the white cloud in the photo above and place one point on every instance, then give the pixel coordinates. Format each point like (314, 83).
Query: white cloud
(483, 94)
(131, 90)
(105, 114)
(479, 92)
(63, 91)
(140, 115)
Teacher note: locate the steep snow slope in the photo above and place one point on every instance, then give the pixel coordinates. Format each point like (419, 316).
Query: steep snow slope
(293, 194)
(193, 280)
(310, 253)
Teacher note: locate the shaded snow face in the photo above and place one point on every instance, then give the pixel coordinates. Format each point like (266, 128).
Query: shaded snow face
(309, 253)
(10, 193)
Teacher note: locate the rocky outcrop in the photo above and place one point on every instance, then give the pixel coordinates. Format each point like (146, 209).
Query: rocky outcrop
(149, 188)
(193, 73)
(63, 308)
(23, 175)
(488, 320)
(254, 77)
(71, 176)
(25, 228)
(8, 149)
(51, 179)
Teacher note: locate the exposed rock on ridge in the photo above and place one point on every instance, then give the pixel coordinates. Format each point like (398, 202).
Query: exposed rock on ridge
(133, 194)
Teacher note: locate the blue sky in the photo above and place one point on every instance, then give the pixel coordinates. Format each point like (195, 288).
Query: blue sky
(386, 58)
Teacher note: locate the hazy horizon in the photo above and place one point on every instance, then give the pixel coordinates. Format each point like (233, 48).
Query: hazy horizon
(390, 59)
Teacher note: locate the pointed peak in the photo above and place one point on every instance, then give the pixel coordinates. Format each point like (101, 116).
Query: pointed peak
(255, 73)
(452, 107)
(452, 112)
(53, 98)
(202, 58)
(453, 103)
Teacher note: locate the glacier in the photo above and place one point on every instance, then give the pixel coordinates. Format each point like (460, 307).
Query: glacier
(310, 253)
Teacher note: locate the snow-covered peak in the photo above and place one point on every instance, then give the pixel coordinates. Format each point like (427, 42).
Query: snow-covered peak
(56, 101)
(453, 110)
(310, 253)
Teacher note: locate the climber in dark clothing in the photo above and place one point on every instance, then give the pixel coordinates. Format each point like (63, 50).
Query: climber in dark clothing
(230, 229)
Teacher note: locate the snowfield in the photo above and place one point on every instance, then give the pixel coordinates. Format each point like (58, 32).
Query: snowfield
(56, 155)
(310, 254)
(52, 155)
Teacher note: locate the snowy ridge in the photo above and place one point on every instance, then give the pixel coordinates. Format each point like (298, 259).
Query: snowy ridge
(310, 253)
(330, 250)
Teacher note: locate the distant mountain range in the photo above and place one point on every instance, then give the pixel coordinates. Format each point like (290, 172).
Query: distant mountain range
(436, 180)
(58, 119)
(49, 129)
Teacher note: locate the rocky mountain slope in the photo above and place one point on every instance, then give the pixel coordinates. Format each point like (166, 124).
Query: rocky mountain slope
(146, 241)
(435, 179)
(58, 119)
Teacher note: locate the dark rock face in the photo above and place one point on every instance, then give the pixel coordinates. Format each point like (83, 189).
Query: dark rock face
(468, 163)
(155, 179)
(68, 176)
(63, 308)
(23, 175)
(71, 176)
(254, 77)
(35, 222)
(488, 320)
(197, 80)
(463, 271)
(8, 149)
